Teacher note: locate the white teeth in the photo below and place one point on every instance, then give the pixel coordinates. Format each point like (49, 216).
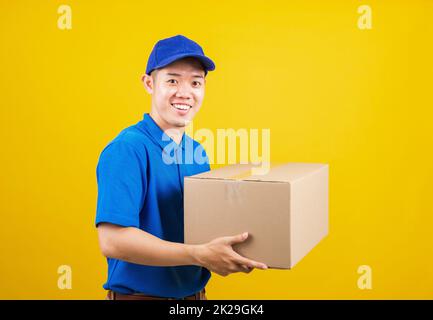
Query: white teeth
(181, 106)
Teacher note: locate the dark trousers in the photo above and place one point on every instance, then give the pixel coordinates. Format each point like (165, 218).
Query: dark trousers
(111, 295)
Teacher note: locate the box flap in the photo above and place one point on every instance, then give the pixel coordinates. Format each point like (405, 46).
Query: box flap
(288, 172)
(227, 172)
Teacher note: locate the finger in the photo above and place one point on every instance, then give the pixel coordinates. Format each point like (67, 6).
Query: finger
(250, 263)
(237, 268)
(237, 238)
(246, 269)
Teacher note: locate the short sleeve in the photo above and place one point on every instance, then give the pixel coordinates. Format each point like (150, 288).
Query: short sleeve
(121, 178)
(206, 165)
(200, 156)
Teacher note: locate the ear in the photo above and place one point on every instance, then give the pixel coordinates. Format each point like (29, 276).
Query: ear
(148, 83)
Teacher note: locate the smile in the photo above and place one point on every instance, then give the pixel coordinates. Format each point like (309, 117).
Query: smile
(181, 106)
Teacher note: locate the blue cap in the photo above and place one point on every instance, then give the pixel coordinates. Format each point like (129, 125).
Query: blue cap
(171, 49)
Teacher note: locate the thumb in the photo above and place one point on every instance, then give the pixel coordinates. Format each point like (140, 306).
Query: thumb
(238, 238)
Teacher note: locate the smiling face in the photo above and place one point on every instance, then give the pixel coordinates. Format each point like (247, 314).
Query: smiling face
(177, 93)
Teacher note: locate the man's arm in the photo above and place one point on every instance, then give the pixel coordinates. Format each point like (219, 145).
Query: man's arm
(137, 246)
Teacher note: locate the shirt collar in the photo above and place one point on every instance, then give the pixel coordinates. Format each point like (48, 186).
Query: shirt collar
(158, 135)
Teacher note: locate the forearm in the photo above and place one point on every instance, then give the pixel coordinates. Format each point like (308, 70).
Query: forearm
(140, 247)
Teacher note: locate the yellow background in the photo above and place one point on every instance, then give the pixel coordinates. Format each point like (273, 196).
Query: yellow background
(359, 100)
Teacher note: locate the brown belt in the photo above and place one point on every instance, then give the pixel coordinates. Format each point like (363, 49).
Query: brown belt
(111, 295)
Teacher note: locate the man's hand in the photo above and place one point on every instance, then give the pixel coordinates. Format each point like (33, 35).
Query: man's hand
(140, 247)
(218, 256)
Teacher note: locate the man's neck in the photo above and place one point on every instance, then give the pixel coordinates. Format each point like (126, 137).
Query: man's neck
(175, 133)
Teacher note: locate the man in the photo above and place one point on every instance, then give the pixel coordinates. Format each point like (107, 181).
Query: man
(140, 194)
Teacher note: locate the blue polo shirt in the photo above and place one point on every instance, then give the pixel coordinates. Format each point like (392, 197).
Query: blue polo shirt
(140, 184)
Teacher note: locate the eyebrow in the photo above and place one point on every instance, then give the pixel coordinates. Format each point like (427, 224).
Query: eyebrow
(179, 75)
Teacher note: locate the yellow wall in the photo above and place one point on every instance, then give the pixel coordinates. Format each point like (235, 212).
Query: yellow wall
(359, 100)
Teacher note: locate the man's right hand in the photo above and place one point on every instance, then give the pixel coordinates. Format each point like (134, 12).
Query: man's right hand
(218, 256)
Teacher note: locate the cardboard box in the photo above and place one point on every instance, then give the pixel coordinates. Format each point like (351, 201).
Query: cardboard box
(285, 211)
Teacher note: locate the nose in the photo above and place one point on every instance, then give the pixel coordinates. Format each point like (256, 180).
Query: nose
(183, 92)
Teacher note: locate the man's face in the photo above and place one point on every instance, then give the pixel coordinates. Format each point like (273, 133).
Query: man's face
(177, 92)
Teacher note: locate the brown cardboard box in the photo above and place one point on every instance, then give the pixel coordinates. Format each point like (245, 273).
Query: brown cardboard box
(285, 211)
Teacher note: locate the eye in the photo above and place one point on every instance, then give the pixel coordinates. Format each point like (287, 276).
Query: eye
(196, 84)
(172, 81)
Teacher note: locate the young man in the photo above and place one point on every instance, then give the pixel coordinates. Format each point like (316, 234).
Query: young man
(140, 194)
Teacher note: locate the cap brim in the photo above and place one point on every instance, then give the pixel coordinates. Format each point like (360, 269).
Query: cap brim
(208, 64)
